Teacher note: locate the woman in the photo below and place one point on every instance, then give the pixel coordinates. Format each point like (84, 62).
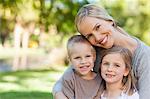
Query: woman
(102, 31)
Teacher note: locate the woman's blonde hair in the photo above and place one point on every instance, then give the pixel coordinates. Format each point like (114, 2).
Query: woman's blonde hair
(91, 10)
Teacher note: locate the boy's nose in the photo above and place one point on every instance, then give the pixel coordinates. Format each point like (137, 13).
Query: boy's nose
(83, 60)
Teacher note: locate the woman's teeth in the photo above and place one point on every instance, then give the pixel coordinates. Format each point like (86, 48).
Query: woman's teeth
(104, 40)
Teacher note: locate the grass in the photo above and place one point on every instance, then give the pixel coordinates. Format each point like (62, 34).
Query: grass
(33, 84)
(26, 95)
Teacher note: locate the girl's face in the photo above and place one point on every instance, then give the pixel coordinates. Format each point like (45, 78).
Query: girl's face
(113, 68)
(98, 31)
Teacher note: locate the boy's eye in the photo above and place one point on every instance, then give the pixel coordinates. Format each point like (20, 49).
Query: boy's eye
(88, 55)
(76, 57)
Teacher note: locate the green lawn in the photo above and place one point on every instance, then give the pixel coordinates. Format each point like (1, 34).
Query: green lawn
(33, 84)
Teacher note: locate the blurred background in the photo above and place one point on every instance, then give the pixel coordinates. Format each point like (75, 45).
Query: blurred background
(33, 36)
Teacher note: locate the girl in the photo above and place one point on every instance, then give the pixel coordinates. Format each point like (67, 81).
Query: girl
(118, 79)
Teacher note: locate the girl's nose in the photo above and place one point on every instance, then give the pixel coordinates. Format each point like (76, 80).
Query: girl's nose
(110, 68)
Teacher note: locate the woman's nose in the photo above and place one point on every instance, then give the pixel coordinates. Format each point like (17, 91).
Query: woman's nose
(96, 36)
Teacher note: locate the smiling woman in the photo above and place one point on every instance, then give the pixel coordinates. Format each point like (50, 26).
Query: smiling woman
(97, 31)
(101, 30)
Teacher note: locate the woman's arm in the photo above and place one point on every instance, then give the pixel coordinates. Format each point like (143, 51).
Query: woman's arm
(60, 95)
(57, 88)
(142, 65)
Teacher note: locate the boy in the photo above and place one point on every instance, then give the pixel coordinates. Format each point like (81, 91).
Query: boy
(80, 82)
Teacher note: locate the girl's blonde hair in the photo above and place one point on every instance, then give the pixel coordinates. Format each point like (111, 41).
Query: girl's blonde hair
(95, 11)
(129, 81)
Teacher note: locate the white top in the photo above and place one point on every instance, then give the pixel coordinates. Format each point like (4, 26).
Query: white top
(124, 96)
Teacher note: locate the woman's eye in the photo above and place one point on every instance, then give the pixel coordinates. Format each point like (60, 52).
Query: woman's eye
(88, 36)
(97, 27)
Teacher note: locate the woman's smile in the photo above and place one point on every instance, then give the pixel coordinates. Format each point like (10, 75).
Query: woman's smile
(104, 40)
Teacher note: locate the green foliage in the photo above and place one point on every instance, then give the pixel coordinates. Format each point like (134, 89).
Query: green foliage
(60, 13)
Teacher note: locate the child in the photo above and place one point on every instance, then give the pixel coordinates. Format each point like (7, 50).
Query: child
(81, 82)
(118, 79)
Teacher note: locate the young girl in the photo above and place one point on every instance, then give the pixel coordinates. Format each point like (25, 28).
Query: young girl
(118, 79)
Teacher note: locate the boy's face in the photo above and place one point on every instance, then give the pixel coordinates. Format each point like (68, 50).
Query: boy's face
(82, 57)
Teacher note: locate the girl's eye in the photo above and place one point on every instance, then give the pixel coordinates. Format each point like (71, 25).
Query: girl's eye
(105, 63)
(117, 65)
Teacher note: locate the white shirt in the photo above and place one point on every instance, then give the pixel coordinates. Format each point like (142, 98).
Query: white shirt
(124, 96)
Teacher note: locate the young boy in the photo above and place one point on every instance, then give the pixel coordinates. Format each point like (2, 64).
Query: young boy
(80, 82)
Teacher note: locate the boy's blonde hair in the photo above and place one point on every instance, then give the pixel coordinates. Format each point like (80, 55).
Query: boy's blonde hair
(77, 39)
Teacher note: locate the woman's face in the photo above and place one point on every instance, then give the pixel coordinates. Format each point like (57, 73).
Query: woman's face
(98, 31)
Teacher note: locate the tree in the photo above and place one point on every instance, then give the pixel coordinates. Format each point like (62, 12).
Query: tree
(134, 19)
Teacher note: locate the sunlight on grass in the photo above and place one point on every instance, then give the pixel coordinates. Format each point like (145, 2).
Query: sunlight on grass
(37, 85)
(23, 83)
(10, 78)
(9, 87)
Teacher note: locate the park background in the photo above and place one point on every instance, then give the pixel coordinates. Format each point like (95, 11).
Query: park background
(33, 36)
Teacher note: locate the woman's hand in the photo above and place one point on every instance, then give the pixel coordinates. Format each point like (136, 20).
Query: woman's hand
(60, 95)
